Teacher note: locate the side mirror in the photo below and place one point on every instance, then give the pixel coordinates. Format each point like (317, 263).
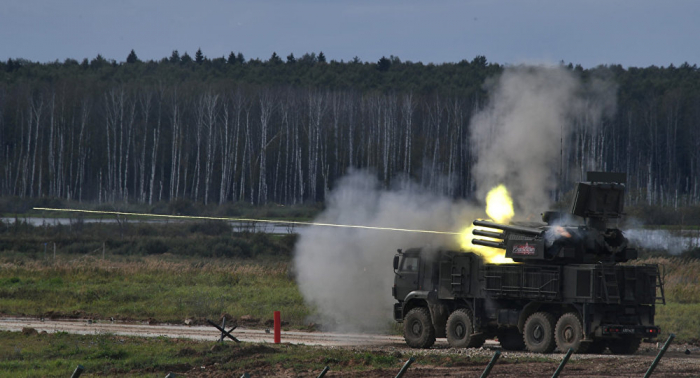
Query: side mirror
(396, 262)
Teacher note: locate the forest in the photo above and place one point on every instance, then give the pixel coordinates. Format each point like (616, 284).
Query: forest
(282, 131)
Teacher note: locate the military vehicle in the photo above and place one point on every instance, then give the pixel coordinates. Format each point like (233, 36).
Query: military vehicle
(567, 288)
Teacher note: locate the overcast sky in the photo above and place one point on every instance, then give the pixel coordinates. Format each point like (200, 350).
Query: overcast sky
(588, 32)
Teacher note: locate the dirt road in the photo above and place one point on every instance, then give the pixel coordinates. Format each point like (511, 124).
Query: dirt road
(195, 332)
(676, 363)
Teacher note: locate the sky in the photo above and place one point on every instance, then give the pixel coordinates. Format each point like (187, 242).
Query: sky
(635, 33)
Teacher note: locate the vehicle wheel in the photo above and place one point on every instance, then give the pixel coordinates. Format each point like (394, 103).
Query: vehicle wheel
(596, 347)
(511, 339)
(418, 329)
(460, 329)
(539, 333)
(569, 333)
(625, 345)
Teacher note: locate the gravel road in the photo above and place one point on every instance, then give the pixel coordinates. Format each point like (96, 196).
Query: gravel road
(680, 361)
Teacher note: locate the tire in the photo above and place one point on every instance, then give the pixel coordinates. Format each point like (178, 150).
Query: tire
(460, 329)
(625, 345)
(418, 330)
(539, 333)
(596, 347)
(568, 333)
(511, 339)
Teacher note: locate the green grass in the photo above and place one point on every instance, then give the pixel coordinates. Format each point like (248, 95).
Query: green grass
(173, 272)
(681, 319)
(166, 288)
(28, 354)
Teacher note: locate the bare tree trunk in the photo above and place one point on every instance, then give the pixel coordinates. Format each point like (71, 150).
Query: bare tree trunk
(211, 116)
(82, 148)
(267, 102)
(408, 109)
(145, 102)
(226, 148)
(51, 152)
(175, 151)
(154, 156)
(239, 103)
(317, 106)
(199, 111)
(37, 110)
(246, 157)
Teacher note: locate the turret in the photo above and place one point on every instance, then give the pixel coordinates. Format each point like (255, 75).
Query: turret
(581, 236)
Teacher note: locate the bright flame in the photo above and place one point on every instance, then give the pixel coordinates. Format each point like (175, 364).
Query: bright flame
(499, 207)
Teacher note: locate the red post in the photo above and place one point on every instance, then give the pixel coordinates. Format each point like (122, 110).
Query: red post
(278, 325)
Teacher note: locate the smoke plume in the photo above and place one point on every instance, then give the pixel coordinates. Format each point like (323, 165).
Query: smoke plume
(346, 274)
(518, 137)
(674, 243)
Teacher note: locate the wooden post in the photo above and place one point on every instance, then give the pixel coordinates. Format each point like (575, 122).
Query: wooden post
(278, 325)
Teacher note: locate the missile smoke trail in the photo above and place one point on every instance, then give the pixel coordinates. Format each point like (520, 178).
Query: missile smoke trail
(249, 220)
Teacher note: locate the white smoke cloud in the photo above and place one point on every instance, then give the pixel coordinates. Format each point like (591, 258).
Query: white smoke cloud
(517, 138)
(663, 240)
(345, 273)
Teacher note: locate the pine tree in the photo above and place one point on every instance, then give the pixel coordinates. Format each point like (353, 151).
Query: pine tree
(321, 57)
(275, 59)
(132, 58)
(175, 57)
(198, 56)
(291, 59)
(98, 62)
(232, 58)
(383, 64)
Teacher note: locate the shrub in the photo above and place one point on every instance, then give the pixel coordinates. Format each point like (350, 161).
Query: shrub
(181, 206)
(211, 228)
(153, 247)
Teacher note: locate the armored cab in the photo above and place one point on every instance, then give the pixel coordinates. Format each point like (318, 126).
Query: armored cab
(567, 288)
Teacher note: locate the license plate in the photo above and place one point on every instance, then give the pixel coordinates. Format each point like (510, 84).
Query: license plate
(628, 330)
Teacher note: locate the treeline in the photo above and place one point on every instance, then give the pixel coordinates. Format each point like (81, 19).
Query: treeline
(230, 129)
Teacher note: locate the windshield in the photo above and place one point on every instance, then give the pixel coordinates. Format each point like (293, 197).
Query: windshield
(409, 264)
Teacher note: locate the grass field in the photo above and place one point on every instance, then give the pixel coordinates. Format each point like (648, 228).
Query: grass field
(162, 288)
(28, 354)
(57, 355)
(173, 272)
(169, 288)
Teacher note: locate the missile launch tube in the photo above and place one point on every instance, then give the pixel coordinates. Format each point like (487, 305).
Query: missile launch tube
(488, 234)
(488, 243)
(505, 227)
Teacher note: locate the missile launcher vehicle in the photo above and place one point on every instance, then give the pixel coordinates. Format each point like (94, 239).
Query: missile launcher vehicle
(568, 287)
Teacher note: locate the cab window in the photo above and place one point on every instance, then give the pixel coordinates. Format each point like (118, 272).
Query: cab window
(409, 264)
